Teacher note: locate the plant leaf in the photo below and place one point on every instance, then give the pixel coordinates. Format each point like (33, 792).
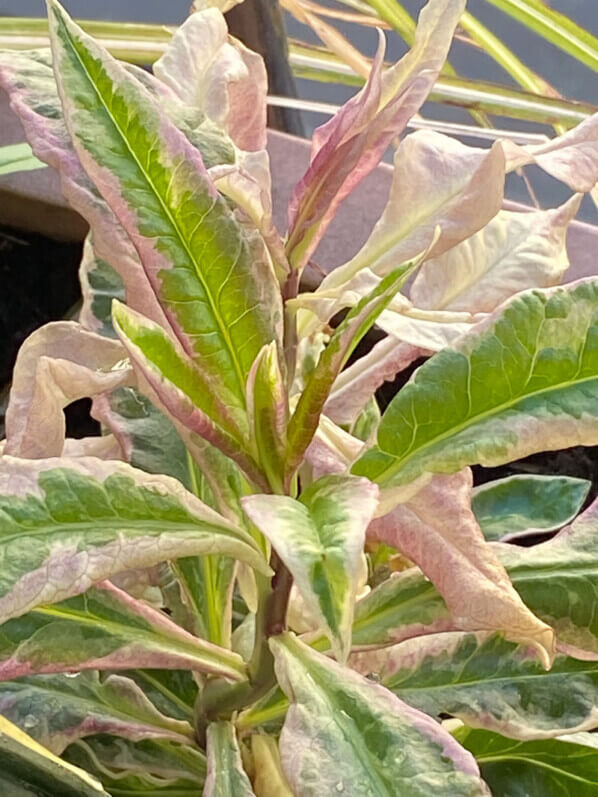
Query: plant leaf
(125, 765)
(343, 729)
(228, 82)
(513, 252)
(18, 158)
(551, 767)
(100, 284)
(226, 776)
(355, 385)
(489, 683)
(517, 506)
(29, 80)
(320, 539)
(57, 709)
(26, 767)
(438, 531)
(221, 296)
(269, 777)
(146, 436)
(437, 182)
(268, 411)
(68, 524)
(105, 629)
(172, 382)
(357, 322)
(57, 364)
(350, 145)
(521, 382)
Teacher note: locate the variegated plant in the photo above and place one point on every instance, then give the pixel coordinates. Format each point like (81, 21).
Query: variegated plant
(252, 582)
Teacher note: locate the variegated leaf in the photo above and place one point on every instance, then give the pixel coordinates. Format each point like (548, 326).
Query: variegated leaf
(523, 381)
(56, 709)
(437, 182)
(489, 683)
(219, 75)
(350, 145)
(518, 506)
(105, 629)
(100, 284)
(26, 766)
(513, 252)
(220, 295)
(361, 318)
(346, 734)
(68, 524)
(437, 530)
(320, 539)
(56, 365)
(226, 776)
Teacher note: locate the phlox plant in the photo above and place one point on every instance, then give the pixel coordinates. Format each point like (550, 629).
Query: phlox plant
(253, 582)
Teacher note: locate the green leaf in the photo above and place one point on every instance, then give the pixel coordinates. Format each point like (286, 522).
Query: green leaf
(349, 735)
(550, 768)
(105, 629)
(519, 505)
(226, 776)
(358, 321)
(57, 709)
(216, 285)
(267, 404)
(320, 539)
(488, 682)
(525, 380)
(28, 770)
(68, 524)
(18, 158)
(269, 778)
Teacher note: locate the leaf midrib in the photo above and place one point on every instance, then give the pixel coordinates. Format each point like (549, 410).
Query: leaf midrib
(471, 421)
(222, 327)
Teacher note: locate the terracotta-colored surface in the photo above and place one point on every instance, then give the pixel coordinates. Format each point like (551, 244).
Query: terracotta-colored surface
(33, 200)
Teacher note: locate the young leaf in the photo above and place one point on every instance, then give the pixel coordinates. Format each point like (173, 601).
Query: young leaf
(437, 182)
(105, 629)
(320, 539)
(226, 776)
(56, 709)
(267, 407)
(513, 252)
(438, 531)
(518, 506)
(222, 300)
(346, 734)
(525, 380)
(269, 777)
(489, 683)
(355, 385)
(172, 381)
(56, 365)
(356, 324)
(27, 769)
(228, 82)
(551, 768)
(68, 524)
(350, 145)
